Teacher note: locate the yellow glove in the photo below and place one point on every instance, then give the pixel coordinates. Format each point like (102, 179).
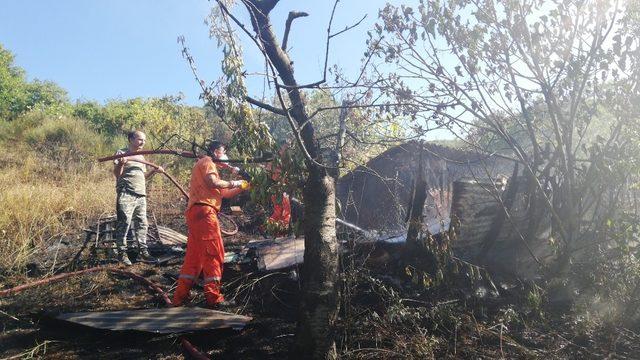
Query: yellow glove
(242, 184)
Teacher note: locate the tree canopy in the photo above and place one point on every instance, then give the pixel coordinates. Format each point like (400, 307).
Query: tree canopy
(18, 96)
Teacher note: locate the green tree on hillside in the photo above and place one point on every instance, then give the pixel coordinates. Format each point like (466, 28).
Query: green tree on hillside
(17, 95)
(160, 117)
(46, 95)
(12, 84)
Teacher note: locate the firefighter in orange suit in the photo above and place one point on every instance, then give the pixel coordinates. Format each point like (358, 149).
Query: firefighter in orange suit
(281, 212)
(281, 215)
(205, 250)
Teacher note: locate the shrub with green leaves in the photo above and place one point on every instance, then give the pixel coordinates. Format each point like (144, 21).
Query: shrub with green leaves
(66, 136)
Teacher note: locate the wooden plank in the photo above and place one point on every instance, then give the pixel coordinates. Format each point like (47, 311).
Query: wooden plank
(159, 321)
(280, 254)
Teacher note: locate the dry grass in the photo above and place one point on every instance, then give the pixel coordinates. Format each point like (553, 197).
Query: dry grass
(42, 202)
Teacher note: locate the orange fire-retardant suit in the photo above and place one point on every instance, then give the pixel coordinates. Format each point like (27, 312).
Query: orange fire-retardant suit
(281, 211)
(205, 250)
(281, 214)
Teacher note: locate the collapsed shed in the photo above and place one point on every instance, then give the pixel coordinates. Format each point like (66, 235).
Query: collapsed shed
(377, 196)
(468, 185)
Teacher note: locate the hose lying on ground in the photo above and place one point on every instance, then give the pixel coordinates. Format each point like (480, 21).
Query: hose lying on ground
(195, 353)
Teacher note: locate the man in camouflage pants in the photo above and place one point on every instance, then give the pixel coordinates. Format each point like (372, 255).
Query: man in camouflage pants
(131, 201)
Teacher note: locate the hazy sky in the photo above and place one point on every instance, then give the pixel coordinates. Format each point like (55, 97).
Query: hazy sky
(119, 49)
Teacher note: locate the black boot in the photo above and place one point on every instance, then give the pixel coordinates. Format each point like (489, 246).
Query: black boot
(145, 256)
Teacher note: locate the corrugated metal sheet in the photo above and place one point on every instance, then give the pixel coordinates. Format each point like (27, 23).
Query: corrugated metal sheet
(279, 253)
(475, 205)
(171, 237)
(160, 321)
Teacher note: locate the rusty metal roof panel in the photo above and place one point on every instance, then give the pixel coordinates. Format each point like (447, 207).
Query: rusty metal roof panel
(159, 321)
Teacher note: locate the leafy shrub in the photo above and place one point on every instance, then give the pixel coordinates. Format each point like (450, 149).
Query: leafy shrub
(19, 96)
(158, 117)
(14, 130)
(66, 136)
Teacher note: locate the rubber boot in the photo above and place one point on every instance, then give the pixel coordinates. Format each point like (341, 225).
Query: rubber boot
(213, 294)
(182, 294)
(144, 255)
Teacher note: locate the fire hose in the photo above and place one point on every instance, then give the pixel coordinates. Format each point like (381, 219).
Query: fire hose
(187, 154)
(220, 163)
(195, 353)
(165, 174)
(182, 153)
(226, 229)
(224, 164)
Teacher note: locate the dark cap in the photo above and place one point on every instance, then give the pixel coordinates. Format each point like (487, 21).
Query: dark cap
(213, 145)
(132, 134)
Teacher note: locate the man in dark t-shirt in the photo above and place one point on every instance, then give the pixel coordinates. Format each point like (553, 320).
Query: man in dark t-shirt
(131, 201)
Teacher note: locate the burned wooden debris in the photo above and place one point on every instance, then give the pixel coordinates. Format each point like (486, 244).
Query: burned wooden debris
(100, 240)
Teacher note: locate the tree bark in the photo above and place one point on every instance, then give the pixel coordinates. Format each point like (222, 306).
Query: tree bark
(319, 301)
(418, 251)
(319, 305)
(418, 198)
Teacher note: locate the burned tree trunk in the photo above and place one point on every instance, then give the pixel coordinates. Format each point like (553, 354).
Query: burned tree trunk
(418, 198)
(420, 250)
(319, 305)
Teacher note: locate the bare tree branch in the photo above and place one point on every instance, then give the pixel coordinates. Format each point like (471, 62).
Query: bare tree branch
(347, 28)
(292, 16)
(265, 106)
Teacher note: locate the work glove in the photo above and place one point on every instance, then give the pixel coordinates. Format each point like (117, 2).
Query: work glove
(242, 184)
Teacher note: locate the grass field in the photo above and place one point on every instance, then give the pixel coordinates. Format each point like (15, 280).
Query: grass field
(42, 202)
